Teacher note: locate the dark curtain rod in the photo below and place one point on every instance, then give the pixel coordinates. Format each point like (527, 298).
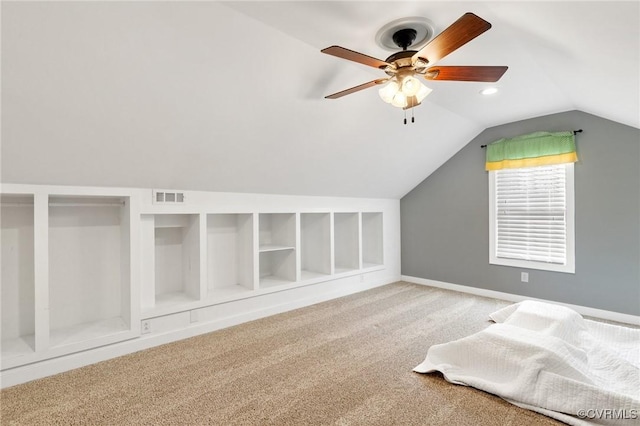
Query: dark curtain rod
(574, 132)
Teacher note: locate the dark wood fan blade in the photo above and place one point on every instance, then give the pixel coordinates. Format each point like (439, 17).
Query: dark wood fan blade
(465, 29)
(357, 88)
(466, 73)
(354, 56)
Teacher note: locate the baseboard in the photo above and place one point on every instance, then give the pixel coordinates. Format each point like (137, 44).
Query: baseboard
(583, 310)
(69, 362)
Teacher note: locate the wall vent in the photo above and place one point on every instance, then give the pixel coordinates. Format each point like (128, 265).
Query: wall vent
(168, 197)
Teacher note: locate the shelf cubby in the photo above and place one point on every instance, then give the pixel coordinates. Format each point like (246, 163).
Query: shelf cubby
(176, 259)
(17, 288)
(372, 243)
(89, 261)
(277, 231)
(277, 267)
(346, 242)
(229, 254)
(277, 245)
(315, 245)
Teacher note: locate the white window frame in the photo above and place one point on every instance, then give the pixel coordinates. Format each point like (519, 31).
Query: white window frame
(569, 266)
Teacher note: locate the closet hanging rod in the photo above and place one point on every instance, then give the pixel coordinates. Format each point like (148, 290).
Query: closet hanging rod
(574, 132)
(66, 204)
(87, 204)
(17, 204)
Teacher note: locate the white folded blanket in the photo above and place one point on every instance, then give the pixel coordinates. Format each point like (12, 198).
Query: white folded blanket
(549, 359)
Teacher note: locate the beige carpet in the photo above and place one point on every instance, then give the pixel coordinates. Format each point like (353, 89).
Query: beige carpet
(343, 362)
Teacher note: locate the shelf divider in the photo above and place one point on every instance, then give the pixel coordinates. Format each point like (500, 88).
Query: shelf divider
(41, 270)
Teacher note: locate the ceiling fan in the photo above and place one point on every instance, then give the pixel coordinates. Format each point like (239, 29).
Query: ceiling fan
(404, 90)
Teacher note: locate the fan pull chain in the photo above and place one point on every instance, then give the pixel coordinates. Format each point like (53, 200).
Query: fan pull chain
(413, 118)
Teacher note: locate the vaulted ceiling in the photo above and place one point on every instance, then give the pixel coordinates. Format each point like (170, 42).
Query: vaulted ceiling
(229, 96)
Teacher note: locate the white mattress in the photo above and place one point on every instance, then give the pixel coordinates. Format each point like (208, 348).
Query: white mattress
(549, 359)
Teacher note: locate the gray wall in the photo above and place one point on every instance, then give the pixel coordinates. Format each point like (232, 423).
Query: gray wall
(445, 219)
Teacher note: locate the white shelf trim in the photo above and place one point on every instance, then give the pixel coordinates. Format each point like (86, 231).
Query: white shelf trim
(274, 247)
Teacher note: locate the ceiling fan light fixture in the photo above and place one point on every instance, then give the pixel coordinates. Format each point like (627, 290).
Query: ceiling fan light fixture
(398, 94)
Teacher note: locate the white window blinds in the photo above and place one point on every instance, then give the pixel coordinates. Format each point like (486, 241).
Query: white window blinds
(531, 214)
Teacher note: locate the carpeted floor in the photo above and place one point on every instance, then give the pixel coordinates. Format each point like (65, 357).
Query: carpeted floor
(343, 362)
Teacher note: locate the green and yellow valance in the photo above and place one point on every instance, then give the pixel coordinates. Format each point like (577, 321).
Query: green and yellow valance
(534, 149)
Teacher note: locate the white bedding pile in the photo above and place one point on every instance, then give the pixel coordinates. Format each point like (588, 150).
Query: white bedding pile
(549, 359)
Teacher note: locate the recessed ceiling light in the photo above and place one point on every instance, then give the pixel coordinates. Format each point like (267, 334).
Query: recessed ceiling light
(489, 91)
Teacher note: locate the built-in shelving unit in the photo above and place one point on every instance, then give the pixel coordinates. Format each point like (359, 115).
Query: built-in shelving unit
(84, 268)
(372, 242)
(277, 245)
(230, 254)
(17, 288)
(315, 245)
(346, 229)
(89, 277)
(176, 259)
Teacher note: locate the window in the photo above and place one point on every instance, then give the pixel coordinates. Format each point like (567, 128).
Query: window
(531, 216)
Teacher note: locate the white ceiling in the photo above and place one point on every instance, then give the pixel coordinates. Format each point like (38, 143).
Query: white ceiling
(230, 96)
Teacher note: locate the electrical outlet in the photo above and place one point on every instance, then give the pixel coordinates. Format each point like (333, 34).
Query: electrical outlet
(146, 327)
(524, 277)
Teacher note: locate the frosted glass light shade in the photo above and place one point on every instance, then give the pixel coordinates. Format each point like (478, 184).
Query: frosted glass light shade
(410, 86)
(389, 91)
(423, 93)
(399, 100)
